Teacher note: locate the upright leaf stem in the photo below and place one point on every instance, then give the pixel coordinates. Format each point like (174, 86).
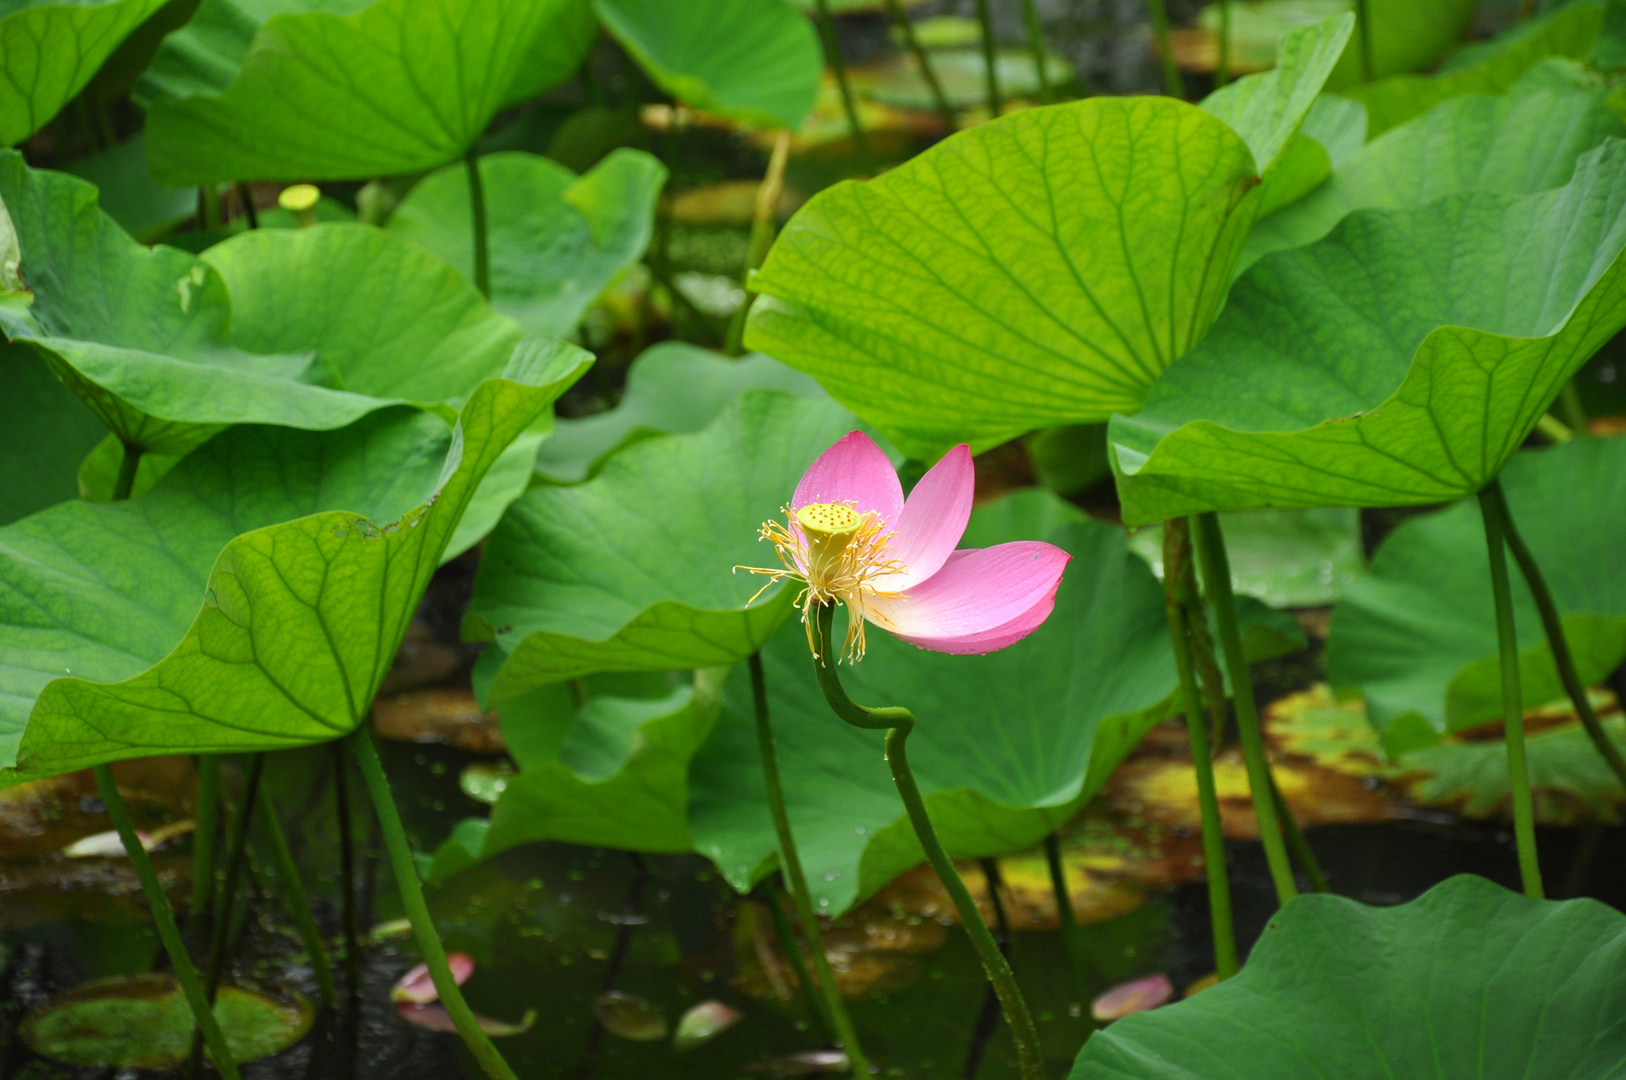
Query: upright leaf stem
(1222, 71)
(127, 472)
(164, 918)
(1172, 85)
(990, 59)
(832, 56)
(1176, 576)
(1493, 509)
(790, 861)
(295, 898)
(477, 213)
(1030, 15)
(1217, 583)
(203, 837)
(1363, 20)
(1556, 639)
(1071, 933)
(901, 20)
(898, 722)
(417, 910)
(764, 219)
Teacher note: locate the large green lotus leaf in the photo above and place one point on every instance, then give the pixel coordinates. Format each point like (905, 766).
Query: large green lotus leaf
(1569, 30)
(254, 599)
(632, 571)
(1469, 979)
(1007, 747)
(1041, 269)
(51, 50)
(45, 432)
(556, 239)
(1285, 558)
(1401, 360)
(1524, 141)
(1417, 636)
(755, 60)
(346, 92)
(672, 387)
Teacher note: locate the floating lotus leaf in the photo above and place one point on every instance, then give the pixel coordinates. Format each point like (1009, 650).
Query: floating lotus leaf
(255, 597)
(1007, 747)
(556, 239)
(1418, 635)
(631, 571)
(52, 50)
(764, 70)
(1525, 141)
(950, 298)
(1401, 360)
(1467, 980)
(962, 73)
(346, 92)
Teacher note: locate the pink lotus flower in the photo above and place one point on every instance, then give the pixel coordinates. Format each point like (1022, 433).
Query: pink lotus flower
(851, 536)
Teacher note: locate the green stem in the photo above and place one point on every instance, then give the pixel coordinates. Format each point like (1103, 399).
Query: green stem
(1493, 508)
(1557, 641)
(249, 210)
(790, 861)
(1217, 580)
(927, 72)
(417, 910)
(1363, 21)
(990, 59)
(347, 874)
(203, 838)
(477, 213)
(1172, 86)
(1177, 576)
(898, 722)
(1569, 401)
(127, 473)
(793, 954)
(1297, 842)
(832, 56)
(1222, 71)
(1071, 933)
(164, 918)
(1030, 14)
(234, 872)
(764, 220)
(295, 898)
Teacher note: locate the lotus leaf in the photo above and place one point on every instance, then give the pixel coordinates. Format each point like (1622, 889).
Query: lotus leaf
(343, 92)
(255, 597)
(1467, 980)
(1567, 30)
(129, 195)
(1286, 558)
(1008, 746)
(631, 570)
(671, 387)
(1418, 635)
(765, 70)
(1524, 141)
(1401, 360)
(950, 297)
(556, 239)
(52, 50)
(44, 433)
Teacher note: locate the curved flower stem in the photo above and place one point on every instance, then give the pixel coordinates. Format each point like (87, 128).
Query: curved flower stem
(1030, 14)
(1493, 509)
(990, 59)
(832, 56)
(1176, 586)
(897, 722)
(927, 72)
(417, 910)
(790, 861)
(1172, 86)
(1071, 934)
(477, 213)
(295, 898)
(1556, 640)
(1217, 581)
(164, 918)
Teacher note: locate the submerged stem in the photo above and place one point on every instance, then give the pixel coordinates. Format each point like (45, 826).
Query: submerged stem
(1071, 933)
(203, 838)
(832, 56)
(790, 861)
(164, 919)
(990, 59)
(1030, 15)
(1177, 578)
(417, 910)
(1493, 508)
(1217, 581)
(901, 20)
(1556, 639)
(295, 898)
(477, 213)
(898, 722)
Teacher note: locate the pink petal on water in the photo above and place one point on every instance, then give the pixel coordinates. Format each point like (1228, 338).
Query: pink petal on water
(933, 520)
(1132, 997)
(416, 987)
(982, 600)
(435, 1018)
(853, 470)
